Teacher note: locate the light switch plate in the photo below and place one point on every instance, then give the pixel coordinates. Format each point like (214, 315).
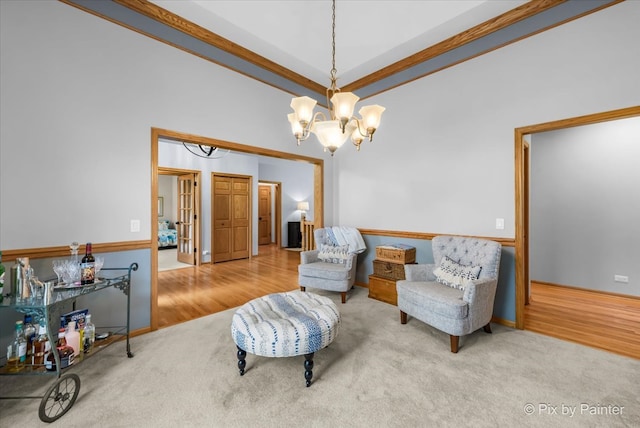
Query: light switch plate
(135, 225)
(499, 223)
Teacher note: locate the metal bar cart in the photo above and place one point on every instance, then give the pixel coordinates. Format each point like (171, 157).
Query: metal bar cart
(61, 396)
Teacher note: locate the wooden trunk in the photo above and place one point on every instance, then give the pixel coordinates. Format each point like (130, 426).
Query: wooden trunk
(383, 289)
(388, 270)
(396, 254)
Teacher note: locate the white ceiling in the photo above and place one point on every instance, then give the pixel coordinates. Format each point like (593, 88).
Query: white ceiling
(369, 34)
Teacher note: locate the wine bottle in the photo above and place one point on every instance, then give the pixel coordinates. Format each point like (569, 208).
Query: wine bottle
(87, 267)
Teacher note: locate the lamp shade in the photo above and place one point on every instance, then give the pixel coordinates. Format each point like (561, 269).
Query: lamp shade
(303, 206)
(330, 134)
(296, 128)
(343, 104)
(371, 116)
(303, 107)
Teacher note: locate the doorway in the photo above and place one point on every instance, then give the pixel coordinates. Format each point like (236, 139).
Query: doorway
(269, 206)
(178, 218)
(158, 134)
(264, 215)
(522, 193)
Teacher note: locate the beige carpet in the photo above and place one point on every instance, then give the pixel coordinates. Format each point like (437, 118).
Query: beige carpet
(377, 373)
(168, 260)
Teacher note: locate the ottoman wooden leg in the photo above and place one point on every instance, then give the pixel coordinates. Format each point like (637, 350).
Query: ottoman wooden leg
(308, 367)
(241, 362)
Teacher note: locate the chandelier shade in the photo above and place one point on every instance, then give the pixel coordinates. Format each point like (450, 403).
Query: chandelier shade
(332, 132)
(371, 116)
(303, 108)
(343, 105)
(330, 135)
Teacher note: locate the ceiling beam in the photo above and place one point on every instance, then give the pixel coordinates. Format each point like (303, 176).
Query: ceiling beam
(524, 21)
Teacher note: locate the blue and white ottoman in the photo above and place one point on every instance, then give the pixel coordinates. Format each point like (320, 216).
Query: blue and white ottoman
(285, 325)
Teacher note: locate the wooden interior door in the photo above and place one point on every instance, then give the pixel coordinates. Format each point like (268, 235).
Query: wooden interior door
(241, 219)
(231, 217)
(221, 210)
(264, 215)
(186, 224)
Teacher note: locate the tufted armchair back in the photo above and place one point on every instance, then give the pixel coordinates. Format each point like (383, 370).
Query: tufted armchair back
(321, 237)
(469, 251)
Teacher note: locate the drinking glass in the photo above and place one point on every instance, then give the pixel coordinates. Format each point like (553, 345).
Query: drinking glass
(59, 268)
(74, 251)
(99, 262)
(71, 273)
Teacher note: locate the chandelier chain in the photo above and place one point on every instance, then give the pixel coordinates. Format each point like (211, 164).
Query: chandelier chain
(333, 46)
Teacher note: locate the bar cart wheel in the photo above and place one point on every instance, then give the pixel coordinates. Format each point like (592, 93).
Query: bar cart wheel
(59, 398)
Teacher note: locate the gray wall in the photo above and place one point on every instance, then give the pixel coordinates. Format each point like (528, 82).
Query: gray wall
(296, 178)
(442, 160)
(585, 206)
(79, 100)
(297, 185)
(77, 109)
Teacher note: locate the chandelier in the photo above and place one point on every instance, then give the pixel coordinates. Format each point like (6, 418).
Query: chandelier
(333, 133)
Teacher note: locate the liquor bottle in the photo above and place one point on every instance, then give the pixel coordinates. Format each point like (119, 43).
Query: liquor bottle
(73, 338)
(41, 346)
(87, 267)
(17, 350)
(29, 331)
(81, 332)
(89, 334)
(65, 352)
(1, 278)
(14, 286)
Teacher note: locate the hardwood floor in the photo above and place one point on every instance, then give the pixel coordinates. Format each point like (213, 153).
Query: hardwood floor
(599, 320)
(594, 319)
(189, 293)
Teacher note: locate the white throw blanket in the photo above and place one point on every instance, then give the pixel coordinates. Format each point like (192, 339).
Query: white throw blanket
(350, 236)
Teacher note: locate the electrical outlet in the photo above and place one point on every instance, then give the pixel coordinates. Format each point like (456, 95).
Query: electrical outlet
(135, 226)
(621, 278)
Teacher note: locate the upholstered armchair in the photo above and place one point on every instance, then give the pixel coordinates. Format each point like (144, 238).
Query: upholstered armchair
(457, 292)
(332, 265)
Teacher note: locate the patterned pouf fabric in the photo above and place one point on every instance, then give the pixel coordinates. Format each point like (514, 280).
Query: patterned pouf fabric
(285, 324)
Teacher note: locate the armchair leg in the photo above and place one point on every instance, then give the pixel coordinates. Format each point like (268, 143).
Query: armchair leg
(403, 317)
(303, 288)
(487, 328)
(454, 343)
(344, 296)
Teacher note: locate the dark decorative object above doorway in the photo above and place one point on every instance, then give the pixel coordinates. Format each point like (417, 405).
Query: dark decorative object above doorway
(207, 152)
